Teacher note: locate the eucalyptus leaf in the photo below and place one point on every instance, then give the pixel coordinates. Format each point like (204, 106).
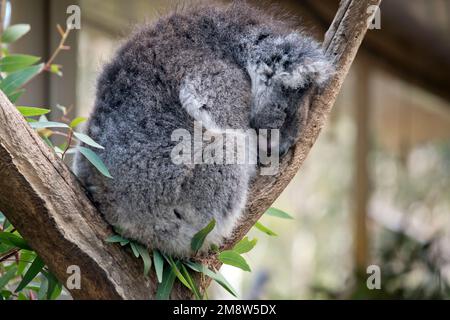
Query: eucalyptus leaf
(17, 79)
(159, 264)
(14, 96)
(145, 258)
(216, 276)
(17, 62)
(15, 32)
(263, 228)
(191, 282)
(77, 121)
(54, 286)
(234, 259)
(274, 212)
(175, 269)
(31, 273)
(245, 245)
(48, 124)
(166, 285)
(14, 240)
(32, 111)
(7, 276)
(199, 237)
(95, 160)
(134, 249)
(88, 140)
(115, 238)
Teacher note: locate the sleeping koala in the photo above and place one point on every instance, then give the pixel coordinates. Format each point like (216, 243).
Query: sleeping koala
(226, 68)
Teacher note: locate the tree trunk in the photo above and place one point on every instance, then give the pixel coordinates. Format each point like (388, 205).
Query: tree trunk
(45, 202)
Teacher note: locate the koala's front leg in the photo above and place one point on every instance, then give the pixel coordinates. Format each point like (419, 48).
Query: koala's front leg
(281, 69)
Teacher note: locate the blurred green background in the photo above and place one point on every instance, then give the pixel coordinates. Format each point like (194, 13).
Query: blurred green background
(375, 189)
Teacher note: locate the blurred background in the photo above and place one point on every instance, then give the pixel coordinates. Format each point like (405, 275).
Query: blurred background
(375, 189)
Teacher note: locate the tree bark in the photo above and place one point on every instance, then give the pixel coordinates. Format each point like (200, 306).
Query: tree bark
(45, 202)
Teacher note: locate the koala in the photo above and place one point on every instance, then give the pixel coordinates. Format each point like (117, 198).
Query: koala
(224, 66)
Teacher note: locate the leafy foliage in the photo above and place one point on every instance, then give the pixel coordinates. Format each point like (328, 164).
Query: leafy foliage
(23, 274)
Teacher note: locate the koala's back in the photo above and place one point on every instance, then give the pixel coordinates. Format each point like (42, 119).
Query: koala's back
(137, 109)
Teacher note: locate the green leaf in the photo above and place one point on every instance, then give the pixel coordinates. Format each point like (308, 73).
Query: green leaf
(13, 97)
(191, 282)
(77, 121)
(245, 245)
(10, 274)
(199, 237)
(115, 238)
(31, 273)
(88, 140)
(14, 240)
(178, 273)
(145, 258)
(48, 124)
(134, 249)
(93, 158)
(17, 79)
(17, 62)
(165, 287)
(234, 259)
(15, 32)
(26, 257)
(159, 265)
(32, 111)
(263, 228)
(54, 286)
(216, 276)
(278, 213)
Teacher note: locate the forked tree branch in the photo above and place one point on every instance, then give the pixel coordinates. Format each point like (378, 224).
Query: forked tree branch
(45, 202)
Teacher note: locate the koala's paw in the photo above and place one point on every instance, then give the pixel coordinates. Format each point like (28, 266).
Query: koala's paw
(292, 61)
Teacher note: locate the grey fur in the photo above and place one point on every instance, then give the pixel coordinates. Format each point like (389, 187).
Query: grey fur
(232, 67)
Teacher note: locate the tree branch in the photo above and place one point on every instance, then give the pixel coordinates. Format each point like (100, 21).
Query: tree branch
(45, 202)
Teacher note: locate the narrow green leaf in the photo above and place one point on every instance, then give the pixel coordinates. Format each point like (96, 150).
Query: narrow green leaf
(26, 257)
(165, 287)
(14, 96)
(145, 258)
(234, 259)
(263, 228)
(199, 237)
(274, 212)
(31, 273)
(32, 111)
(178, 273)
(17, 62)
(15, 32)
(159, 264)
(8, 276)
(134, 249)
(54, 286)
(216, 276)
(17, 79)
(48, 124)
(115, 238)
(77, 121)
(95, 160)
(88, 140)
(245, 245)
(191, 282)
(14, 240)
